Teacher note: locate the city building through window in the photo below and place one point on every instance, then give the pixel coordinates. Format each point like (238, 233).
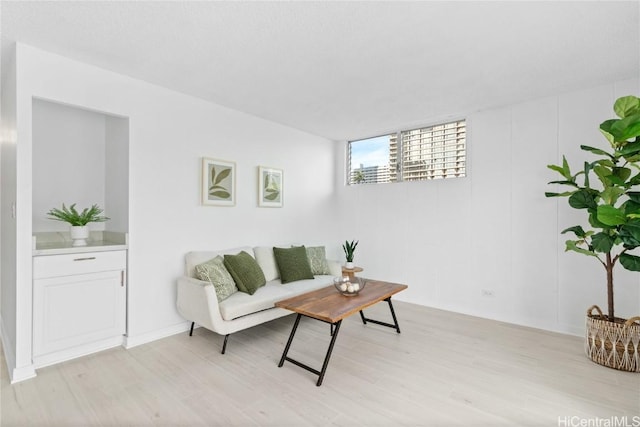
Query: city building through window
(433, 152)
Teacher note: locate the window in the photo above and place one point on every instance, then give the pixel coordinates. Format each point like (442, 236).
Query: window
(370, 160)
(433, 152)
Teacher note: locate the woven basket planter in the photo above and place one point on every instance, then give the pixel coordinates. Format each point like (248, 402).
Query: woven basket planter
(613, 344)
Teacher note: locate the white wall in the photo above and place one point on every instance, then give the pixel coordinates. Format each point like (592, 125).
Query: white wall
(494, 230)
(169, 133)
(7, 222)
(116, 203)
(68, 161)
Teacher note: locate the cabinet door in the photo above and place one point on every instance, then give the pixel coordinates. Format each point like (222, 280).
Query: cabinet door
(73, 310)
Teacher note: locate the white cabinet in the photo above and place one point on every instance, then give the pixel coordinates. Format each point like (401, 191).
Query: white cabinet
(79, 304)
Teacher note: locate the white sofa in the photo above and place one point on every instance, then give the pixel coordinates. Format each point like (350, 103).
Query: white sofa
(198, 303)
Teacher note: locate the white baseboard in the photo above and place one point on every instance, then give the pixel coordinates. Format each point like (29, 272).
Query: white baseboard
(15, 374)
(7, 347)
(78, 351)
(139, 339)
(27, 372)
(22, 374)
(564, 329)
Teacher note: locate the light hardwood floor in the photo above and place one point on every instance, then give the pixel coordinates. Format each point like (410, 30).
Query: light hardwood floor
(445, 369)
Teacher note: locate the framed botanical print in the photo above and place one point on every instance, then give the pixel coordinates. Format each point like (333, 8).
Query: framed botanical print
(270, 187)
(218, 182)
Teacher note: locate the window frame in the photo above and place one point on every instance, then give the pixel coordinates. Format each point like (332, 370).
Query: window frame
(399, 166)
(348, 160)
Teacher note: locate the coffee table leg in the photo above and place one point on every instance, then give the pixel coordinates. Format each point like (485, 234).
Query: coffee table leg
(328, 356)
(320, 373)
(393, 314)
(286, 349)
(389, 325)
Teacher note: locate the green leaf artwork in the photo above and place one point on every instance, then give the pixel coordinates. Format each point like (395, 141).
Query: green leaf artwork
(271, 186)
(218, 182)
(216, 189)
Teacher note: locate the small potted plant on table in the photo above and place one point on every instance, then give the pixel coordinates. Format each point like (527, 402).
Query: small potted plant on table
(78, 221)
(349, 248)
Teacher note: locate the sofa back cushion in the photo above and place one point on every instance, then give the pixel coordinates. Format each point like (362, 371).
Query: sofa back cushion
(198, 257)
(245, 272)
(267, 262)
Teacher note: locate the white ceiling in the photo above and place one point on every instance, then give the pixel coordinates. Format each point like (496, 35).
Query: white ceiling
(344, 70)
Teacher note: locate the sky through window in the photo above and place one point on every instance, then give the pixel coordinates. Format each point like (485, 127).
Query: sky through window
(370, 152)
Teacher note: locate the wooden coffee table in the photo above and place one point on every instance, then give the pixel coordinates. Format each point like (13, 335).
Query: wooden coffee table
(330, 306)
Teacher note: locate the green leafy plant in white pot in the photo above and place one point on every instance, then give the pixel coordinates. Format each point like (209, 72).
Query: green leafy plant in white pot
(607, 190)
(349, 248)
(78, 220)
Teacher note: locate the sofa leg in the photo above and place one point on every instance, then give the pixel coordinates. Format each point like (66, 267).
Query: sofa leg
(224, 346)
(191, 331)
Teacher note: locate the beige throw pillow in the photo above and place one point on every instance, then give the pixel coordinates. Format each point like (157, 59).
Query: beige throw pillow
(214, 272)
(318, 260)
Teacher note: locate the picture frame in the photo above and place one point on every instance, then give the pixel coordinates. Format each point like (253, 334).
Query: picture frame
(270, 187)
(218, 184)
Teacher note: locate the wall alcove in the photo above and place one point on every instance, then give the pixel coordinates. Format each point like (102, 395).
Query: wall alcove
(79, 293)
(79, 156)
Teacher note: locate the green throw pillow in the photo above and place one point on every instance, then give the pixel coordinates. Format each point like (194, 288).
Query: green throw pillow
(293, 264)
(245, 272)
(213, 271)
(318, 260)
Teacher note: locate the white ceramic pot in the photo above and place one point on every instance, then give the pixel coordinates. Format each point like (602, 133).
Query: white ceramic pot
(349, 266)
(79, 235)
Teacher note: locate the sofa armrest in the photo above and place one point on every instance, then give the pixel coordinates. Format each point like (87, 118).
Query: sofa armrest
(197, 302)
(335, 268)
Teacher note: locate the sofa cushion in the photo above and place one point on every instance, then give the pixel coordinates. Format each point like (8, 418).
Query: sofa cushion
(214, 271)
(245, 272)
(267, 262)
(317, 260)
(241, 304)
(293, 264)
(303, 286)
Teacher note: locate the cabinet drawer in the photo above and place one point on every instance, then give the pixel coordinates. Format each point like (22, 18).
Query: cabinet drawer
(80, 263)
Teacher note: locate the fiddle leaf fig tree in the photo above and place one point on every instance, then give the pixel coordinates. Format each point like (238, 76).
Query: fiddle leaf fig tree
(607, 190)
